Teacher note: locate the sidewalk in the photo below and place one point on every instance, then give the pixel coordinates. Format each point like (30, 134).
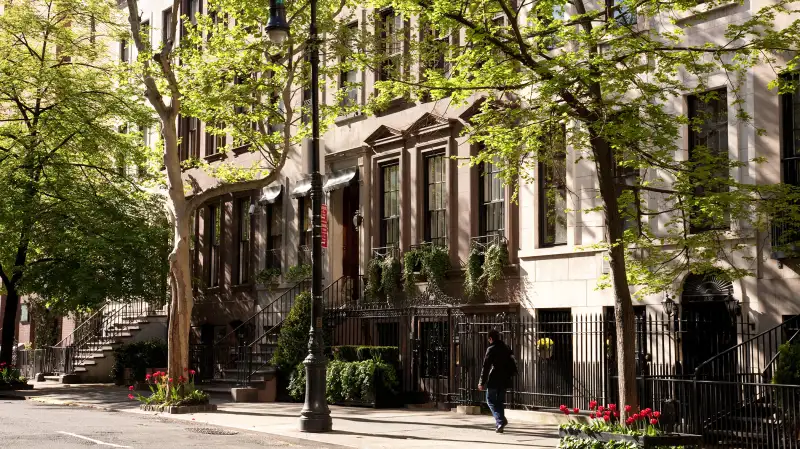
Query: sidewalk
(352, 427)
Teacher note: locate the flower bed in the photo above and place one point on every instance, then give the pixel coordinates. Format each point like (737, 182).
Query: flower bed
(171, 395)
(611, 428)
(10, 378)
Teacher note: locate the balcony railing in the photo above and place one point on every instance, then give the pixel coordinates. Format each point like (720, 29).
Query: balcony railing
(785, 239)
(383, 251)
(483, 242)
(440, 242)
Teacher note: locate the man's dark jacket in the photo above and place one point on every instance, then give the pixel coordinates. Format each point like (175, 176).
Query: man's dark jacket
(496, 366)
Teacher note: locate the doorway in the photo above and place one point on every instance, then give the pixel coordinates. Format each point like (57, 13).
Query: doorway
(350, 205)
(709, 328)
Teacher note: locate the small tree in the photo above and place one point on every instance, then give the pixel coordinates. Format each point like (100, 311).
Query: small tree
(293, 339)
(76, 228)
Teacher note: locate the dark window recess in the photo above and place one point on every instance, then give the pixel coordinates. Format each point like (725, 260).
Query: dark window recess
(348, 78)
(492, 206)
(553, 193)
(274, 234)
(166, 25)
(435, 200)
(215, 142)
(305, 220)
(708, 153)
(189, 133)
(390, 205)
(434, 349)
(243, 250)
(790, 156)
(214, 240)
(391, 42)
(124, 51)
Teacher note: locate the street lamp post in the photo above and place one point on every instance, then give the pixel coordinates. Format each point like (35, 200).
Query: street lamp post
(315, 416)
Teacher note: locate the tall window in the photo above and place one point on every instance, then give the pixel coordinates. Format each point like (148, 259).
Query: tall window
(435, 200)
(214, 240)
(390, 205)
(124, 51)
(708, 151)
(391, 25)
(188, 130)
(553, 191)
(305, 221)
(243, 262)
(166, 25)
(215, 142)
(349, 77)
(274, 233)
(492, 220)
(791, 135)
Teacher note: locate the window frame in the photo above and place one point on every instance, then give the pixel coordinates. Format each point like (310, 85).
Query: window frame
(391, 47)
(790, 133)
(387, 221)
(484, 205)
(166, 27)
(545, 186)
(214, 244)
(243, 240)
(431, 214)
(273, 211)
(352, 91)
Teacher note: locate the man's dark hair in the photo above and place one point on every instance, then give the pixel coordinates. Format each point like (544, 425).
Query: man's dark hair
(494, 335)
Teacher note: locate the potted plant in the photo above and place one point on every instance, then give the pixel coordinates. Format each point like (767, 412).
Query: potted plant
(623, 429)
(545, 347)
(173, 395)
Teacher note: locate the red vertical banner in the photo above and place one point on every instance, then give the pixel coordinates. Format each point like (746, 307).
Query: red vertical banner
(324, 223)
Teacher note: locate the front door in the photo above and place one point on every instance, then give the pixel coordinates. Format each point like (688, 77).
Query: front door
(708, 330)
(350, 205)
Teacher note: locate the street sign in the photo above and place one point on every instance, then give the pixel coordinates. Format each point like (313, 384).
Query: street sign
(324, 223)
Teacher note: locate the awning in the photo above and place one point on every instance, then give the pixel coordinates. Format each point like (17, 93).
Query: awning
(271, 194)
(302, 188)
(339, 179)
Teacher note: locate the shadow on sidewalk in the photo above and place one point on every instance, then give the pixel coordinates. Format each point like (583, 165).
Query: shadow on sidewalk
(499, 441)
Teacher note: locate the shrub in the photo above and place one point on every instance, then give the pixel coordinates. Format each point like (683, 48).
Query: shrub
(9, 374)
(788, 369)
(388, 354)
(298, 273)
(350, 381)
(139, 356)
(293, 339)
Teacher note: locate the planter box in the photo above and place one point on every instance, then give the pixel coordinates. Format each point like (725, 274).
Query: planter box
(644, 441)
(179, 409)
(14, 387)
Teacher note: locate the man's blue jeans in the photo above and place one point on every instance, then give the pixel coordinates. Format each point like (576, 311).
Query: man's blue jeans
(496, 399)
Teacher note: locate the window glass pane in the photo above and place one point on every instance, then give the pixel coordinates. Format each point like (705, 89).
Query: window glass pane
(553, 188)
(492, 197)
(435, 222)
(391, 205)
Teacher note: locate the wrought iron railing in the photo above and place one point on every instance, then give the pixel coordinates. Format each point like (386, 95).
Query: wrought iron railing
(226, 356)
(483, 242)
(785, 239)
(383, 251)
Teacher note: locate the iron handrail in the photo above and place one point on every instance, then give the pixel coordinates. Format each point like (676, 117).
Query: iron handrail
(742, 344)
(253, 316)
(777, 354)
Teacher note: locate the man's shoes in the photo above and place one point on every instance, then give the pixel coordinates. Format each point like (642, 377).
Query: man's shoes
(499, 429)
(505, 422)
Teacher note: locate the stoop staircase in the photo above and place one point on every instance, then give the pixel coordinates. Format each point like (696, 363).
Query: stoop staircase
(87, 354)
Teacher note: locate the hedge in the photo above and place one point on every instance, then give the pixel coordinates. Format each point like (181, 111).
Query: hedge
(365, 381)
(347, 353)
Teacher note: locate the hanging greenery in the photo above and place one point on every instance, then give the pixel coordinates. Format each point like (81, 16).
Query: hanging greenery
(495, 260)
(435, 263)
(391, 277)
(472, 274)
(268, 277)
(373, 288)
(298, 273)
(410, 261)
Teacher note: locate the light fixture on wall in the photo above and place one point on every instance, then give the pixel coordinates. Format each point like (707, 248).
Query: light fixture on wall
(252, 209)
(670, 306)
(358, 219)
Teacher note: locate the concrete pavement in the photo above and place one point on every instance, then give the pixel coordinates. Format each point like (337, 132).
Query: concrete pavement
(353, 427)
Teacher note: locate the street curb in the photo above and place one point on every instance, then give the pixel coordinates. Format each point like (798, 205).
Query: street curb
(136, 411)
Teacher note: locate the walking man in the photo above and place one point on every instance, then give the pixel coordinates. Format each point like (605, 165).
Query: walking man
(498, 368)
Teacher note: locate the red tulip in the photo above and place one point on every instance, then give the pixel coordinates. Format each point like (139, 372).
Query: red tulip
(628, 408)
(654, 421)
(576, 410)
(616, 414)
(130, 396)
(612, 407)
(192, 372)
(635, 416)
(630, 421)
(147, 377)
(656, 415)
(592, 415)
(592, 405)
(600, 409)
(130, 388)
(606, 418)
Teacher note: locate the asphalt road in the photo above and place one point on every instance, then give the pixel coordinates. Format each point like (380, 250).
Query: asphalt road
(26, 424)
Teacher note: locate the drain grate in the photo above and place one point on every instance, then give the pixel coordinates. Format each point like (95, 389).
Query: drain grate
(211, 431)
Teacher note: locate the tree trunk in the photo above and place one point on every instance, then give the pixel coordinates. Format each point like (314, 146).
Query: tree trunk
(180, 273)
(623, 307)
(9, 323)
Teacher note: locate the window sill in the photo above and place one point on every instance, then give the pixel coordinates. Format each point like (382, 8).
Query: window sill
(241, 149)
(349, 118)
(559, 250)
(215, 157)
(242, 287)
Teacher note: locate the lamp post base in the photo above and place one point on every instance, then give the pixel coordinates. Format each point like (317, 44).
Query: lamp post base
(315, 422)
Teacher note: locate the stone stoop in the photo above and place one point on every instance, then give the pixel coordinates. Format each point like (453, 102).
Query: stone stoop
(98, 356)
